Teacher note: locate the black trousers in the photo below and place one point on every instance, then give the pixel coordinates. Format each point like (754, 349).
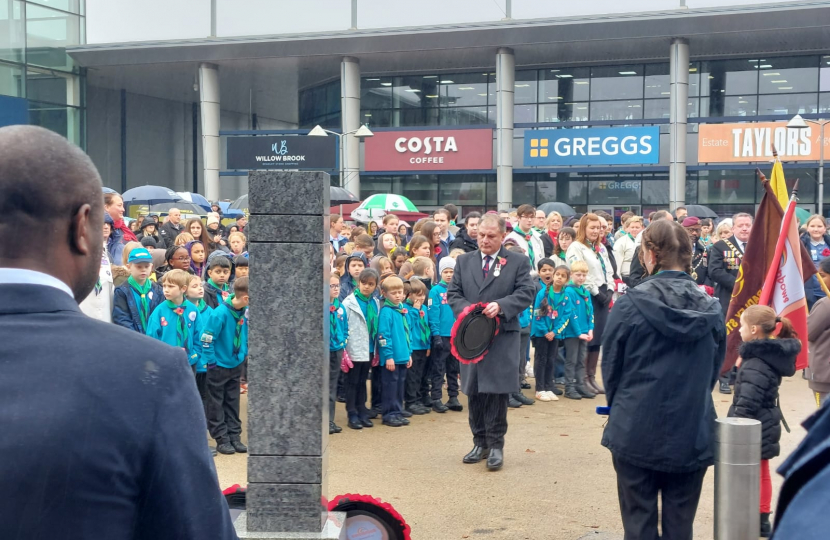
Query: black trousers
(223, 403)
(600, 318)
(544, 362)
(201, 386)
(444, 363)
(356, 391)
(335, 357)
(524, 343)
(415, 378)
(377, 387)
(638, 488)
(394, 383)
(488, 419)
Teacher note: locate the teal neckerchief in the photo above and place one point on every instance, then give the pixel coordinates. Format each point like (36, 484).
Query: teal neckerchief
(422, 322)
(179, 310)
(442, 282)
(400, 309)
(371, 313)
(240, 321)
(200, 305)
(580, 290)
(528, 237)
(555, 298)
(599, 256)
(143, 302)
(333, 316)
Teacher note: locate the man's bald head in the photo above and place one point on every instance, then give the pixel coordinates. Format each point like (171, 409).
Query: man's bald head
(51, 207)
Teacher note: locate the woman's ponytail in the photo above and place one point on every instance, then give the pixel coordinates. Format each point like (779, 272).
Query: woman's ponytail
(765, 318)
(786, 330)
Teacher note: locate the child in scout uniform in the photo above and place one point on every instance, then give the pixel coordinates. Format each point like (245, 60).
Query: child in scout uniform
(219, 268)
(551, 316)
(196, 295)
(224, 347)
(578, 334)
(135, 299)
(417, 381)
(362, 312)
(441, 320)
(394, 343)
(176, 321)
(338, 336)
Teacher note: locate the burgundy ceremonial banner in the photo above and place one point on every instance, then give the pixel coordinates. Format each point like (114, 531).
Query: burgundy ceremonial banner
(760, 251)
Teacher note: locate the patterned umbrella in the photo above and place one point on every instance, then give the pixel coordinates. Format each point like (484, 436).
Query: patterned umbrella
(389, 203)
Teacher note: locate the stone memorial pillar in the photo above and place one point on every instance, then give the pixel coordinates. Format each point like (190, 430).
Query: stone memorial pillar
(288, 364)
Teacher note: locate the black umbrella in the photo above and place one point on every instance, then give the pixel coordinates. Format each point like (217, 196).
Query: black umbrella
(563, 209)
(340, 195)
(700, 211)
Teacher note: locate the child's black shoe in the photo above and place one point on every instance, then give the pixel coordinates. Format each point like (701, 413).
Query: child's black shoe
(225, 448)
(239, 447)
(392, 422)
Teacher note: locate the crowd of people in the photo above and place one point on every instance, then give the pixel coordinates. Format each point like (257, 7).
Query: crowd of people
(597, 289)
(185, 283)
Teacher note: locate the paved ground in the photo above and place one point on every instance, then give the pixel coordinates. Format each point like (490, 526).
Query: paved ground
(557, 482)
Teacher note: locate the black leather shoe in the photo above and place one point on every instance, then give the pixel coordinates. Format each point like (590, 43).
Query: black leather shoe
(439, 407)
(334, 428)
(355, 425)
(393, 422)
(476, 454)
(724, 388)
(406, 414)
(512, 403)
(373, 413)
(526, 386)
(341, 399)
(523, 399)
(415, 409)
(454, 405)
(239, 447)
(365, 422)
(404, 421)
(225, 448)
(496, 459)
(557, 391)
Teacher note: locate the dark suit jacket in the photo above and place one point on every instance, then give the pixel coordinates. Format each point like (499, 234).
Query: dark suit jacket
(498, 371)
(103, 430)
(724, 263)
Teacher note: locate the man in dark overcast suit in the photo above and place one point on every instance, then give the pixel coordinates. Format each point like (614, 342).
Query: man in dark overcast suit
(501, 279)
(103, 429)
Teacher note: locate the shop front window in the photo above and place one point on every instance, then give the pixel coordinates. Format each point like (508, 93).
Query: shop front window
(727, 186)
(617, 82)
(614, 191)
(421, 189)
(462, 190)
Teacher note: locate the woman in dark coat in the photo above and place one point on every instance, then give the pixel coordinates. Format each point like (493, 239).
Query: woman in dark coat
(764, 361)
(663, 346)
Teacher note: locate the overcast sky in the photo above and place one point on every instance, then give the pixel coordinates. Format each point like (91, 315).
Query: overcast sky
(122, 20)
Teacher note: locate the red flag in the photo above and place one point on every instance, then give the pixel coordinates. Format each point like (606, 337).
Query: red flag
(784, 286)
(760, 252)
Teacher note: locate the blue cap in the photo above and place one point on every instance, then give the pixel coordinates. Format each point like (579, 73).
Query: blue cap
(140, 255)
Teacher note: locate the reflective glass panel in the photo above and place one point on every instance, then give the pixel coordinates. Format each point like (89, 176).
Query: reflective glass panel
(564, 85)
(525, 87)
(46, 87)
(787, 104)
(48, 33)
(11, 80)
(729, 77)
(419, 188)
(824, 104)
(694, 79)
(409, 92)
(655, 192)
(824, 74)
(63, 120)
(788, 75)
(617, 110)
(376, 117)
(657, 83)
(463, 116)
(370, 185)
(462, 189)
(614, 191)
(564, 112)
(524, 113)
(729, 106)
(656, 108)
(726, 186)
(73, 6)
(617, 82)
(376, 92)
(460, 90)
(12, 31)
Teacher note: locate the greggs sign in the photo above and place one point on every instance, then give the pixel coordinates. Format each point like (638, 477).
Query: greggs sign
(741, 143)
(441, 150)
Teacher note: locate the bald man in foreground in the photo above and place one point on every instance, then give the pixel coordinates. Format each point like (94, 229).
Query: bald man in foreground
(103, 432)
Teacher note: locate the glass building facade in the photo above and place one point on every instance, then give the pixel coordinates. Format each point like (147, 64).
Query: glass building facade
(34, 66)
(735, 90)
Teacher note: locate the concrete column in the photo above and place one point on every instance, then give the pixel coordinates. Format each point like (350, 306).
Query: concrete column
(679, 76)
(209, 101)
(505, 92)
(289, 363)
(350, 114)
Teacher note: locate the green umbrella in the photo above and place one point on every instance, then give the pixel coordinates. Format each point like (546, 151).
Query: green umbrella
(802, 215)
(389, 203)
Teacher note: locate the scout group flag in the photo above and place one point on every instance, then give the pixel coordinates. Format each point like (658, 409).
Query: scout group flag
(755, 265)
(784, 286)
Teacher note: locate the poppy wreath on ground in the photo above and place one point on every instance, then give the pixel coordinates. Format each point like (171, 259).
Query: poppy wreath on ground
(472, 334)
(369, 518)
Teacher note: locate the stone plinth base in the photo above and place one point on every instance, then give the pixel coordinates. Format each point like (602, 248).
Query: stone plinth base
(333, 530)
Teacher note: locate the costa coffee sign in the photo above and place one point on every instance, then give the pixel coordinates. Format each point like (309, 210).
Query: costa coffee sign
(440, 150)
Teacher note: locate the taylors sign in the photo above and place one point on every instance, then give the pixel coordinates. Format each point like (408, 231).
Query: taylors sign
(740, 143)
(296, 152)
(449, 149)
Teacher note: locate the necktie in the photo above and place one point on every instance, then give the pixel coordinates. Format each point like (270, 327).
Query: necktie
(486, 268)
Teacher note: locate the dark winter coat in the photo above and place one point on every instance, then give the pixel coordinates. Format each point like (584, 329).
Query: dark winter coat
(125, 308)
(764, 362)
(637, 272)
(802, 502)
(463, 241)
(812, 288)
(663, 345)
(548, 243)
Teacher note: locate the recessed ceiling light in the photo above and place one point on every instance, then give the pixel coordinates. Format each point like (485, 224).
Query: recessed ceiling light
(565, 76)
(785, 87)
(466, 88)
(753, 61)
(628, 72)
(554, 97)
(742, 101)
(521, 85)
(433, 96)
(367, 114)
(580, 82)
(665, 93)
(770, 74)
(412, 90)
(372, 79)
(766, 66)
(447, 82)
(430, 76)
(386, 84)
(554, 71)
(779, 81)
(582, 108)
(692, 70)
(482, 94)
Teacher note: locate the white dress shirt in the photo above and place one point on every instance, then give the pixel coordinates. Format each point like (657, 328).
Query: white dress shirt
(19, 276)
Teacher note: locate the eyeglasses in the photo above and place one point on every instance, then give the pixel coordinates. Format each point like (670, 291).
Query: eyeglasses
(334, 286)
(181, 259)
